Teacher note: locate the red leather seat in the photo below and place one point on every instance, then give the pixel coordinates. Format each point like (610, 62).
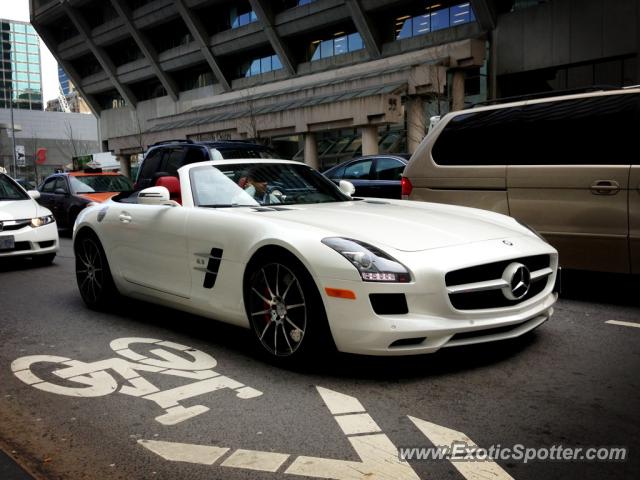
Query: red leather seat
(173, 185)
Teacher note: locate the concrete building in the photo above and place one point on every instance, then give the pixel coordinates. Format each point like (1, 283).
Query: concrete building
(49, 140)
(323, 80)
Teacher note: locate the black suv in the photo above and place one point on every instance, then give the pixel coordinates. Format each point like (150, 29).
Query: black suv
(163, 159)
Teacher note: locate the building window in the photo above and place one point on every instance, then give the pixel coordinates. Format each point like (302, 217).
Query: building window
(263, 65)
(339, 44)
(436, 18)
(241, 16)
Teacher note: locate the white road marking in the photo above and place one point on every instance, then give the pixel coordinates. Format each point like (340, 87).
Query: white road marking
(624, 324)
(480, 470)
(185, 452)
(378, 455)
(379, 460)
(179, 414)
(171, 398)
(339, 403)
(247, 392)
(94, 380)
(254, 460)
(356, 423)
(24, 363)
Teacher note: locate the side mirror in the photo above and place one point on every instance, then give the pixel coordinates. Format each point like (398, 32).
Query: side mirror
(60, 191)
(35, 194)
(346, 187)
(156, 196)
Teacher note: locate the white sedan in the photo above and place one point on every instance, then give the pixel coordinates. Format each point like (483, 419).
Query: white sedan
(275, 247)
(26, 228)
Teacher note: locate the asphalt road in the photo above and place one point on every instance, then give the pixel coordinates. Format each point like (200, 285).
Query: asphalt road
(574, 382)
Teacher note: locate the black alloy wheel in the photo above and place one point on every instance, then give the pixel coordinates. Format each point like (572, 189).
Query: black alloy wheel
(285, 309)
(92, 273)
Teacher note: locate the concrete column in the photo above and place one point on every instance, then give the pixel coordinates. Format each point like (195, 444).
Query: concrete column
(311, 150)
(457, 90)
(125, 165)
(417, 122)
(370, 140)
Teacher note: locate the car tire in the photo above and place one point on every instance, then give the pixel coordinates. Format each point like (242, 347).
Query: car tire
(44, 260)
(287, 317)
(93, 275)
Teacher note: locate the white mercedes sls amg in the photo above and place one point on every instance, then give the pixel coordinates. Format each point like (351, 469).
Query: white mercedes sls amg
(274, 246)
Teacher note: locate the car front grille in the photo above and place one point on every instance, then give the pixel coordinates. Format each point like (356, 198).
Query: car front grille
(483, 286)
(9, 225)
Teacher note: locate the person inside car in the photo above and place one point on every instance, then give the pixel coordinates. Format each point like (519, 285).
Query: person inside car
(258, 187)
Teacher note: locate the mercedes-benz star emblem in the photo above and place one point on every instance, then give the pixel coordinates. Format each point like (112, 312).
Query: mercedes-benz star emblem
(518, 278)
(508, 243)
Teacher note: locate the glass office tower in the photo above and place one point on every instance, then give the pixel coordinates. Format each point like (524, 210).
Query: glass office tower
(64, 81)
(20, 78)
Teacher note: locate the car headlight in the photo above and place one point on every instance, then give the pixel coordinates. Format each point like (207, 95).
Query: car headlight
(373, 264)
(40, 221)
(531, 230)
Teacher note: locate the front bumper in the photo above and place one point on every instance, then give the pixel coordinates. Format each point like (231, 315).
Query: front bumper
(31, 241)
(432, 322)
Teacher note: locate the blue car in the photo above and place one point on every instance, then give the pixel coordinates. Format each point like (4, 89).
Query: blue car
(372, 175)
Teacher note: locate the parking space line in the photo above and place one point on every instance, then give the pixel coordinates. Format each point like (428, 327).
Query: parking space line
(624, 324)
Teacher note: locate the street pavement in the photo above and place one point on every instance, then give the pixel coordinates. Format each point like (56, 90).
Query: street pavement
(573, 382)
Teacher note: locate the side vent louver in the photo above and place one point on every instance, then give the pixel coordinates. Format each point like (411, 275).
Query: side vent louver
(211, 272)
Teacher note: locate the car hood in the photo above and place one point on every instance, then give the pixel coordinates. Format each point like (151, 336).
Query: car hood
(18, 209)
(402, 225)
(98, 197)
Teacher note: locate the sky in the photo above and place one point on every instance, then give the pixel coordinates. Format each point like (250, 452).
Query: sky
(19, 10)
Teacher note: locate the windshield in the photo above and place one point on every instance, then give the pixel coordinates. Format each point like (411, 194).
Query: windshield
(240, 153)
(10, 191)
(254, 184)
(100, 183)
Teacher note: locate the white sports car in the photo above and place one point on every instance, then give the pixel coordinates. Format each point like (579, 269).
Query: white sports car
(274, 246)
(26, 228)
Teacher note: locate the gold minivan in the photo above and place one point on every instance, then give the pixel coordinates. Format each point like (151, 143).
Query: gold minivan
(567, 166)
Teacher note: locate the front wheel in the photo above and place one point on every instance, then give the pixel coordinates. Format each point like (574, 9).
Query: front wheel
(93, 274)
(285, 310)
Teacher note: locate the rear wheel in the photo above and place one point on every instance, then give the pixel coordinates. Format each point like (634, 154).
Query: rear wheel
(93, 274)
(285, 310)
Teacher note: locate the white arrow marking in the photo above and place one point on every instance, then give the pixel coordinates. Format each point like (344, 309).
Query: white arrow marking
(254, 460)
(624, 324)
(471, 470)
(185, 452)
(378, 455)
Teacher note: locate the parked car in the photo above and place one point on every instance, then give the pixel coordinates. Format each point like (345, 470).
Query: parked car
(372, 175)
(26, 228)
(163, 159)
(568, 166)
(26, 184)
(66, 194)
(314, 269)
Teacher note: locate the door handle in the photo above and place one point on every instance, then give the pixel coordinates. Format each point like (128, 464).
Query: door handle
(125, 217)
(605, 187)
